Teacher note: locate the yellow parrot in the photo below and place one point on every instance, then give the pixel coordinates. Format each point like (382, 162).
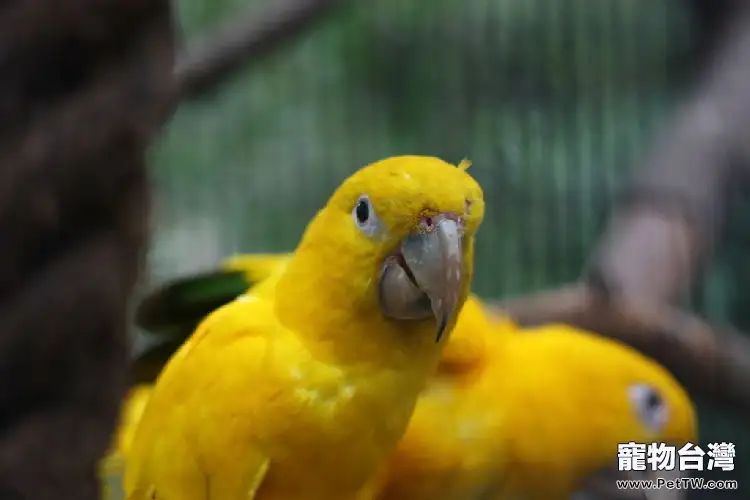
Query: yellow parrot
(531, 414)
(302, 392)
(524, 414)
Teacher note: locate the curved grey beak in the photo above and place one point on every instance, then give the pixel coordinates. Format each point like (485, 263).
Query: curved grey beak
(428, 280)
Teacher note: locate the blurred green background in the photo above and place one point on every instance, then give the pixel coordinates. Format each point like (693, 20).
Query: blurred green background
(553, 100)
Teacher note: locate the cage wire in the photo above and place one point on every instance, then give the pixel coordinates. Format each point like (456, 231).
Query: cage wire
(554, 102)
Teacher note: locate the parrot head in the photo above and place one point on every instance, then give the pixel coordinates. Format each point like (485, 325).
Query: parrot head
(644, 402)
(396, 239)
(597, 394)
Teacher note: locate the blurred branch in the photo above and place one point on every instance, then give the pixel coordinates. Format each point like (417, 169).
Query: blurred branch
(664, 230)
(208, 62)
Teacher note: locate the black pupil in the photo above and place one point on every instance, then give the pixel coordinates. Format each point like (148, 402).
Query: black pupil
(362, 211)
(653, 400)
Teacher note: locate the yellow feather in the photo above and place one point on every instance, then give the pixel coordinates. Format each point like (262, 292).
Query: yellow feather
(257, 266)
(522, 413)
(528, 413)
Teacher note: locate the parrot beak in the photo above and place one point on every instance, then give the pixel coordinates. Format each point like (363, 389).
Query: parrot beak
(425, 278)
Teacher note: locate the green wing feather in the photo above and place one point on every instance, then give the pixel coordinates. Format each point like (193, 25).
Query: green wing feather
(186, 301)
(170, 314)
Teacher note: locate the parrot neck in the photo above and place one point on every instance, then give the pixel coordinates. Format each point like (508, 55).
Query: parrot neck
(337, 315)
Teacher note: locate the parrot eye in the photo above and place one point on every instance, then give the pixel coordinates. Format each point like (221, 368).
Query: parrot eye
(649, 405)
(364, 216)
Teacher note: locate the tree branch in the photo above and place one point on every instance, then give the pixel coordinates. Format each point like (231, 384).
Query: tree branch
(666, 226)
(207, 62)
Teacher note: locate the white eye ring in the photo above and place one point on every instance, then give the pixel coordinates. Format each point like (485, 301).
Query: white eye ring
(649, 406)
(364, 216)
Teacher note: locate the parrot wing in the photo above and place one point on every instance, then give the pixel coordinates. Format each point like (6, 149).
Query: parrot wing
(257, 267)
(161, 460)
(186, 301)
(172, 312)
(179, 305)
(111, 466)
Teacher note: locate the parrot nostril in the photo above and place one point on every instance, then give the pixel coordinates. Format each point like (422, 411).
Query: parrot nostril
(428, 223)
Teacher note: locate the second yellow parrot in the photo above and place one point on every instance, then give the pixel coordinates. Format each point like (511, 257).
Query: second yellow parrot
(532, 414)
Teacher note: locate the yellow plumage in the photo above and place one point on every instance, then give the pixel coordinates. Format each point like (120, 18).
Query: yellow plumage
(136, 398)
(530, 414)
(111, 465)
(257, 267)
(301, 390)
(575, 394)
